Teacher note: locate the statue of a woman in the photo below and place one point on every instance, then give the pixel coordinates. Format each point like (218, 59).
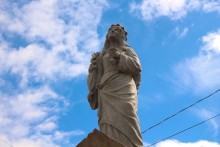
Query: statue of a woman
(113, 81)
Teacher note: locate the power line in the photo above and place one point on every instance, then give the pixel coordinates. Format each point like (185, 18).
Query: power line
(184, 130)
(157, 124)
(6, 142)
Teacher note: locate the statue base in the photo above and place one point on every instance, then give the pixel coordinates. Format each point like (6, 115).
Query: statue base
(99, 139)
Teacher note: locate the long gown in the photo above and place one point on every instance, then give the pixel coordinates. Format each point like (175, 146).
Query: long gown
(118, 99)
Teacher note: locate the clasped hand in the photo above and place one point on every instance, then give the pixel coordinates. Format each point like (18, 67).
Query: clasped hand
(114, 53)
(93, 61)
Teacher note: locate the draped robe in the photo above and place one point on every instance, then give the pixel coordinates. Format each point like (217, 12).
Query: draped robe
(115, 95)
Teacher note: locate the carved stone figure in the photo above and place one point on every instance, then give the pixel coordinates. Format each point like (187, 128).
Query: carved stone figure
(113, 81)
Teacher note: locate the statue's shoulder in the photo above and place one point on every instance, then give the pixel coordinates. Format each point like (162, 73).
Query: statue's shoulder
(127, 47)
(137, 75)
(129, 50)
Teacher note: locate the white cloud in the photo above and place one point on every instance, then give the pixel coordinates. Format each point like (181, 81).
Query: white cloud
(34, 143)
(37, 63)
(150, 9)
(22, 110)
(31, 114)
(201, 72)
(145, 143)
(205, 114)
(48, 125)
(210, 6)
(4, 142)
(58, 35)
(180, 32)
(212, 42)
(176, 143)
(42, 42)
(60, 135)
(184, 32)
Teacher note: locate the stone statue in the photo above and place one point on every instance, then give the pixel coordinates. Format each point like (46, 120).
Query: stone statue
(113, 81)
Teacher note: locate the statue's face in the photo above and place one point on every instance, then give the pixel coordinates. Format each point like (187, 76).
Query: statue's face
(114, 33)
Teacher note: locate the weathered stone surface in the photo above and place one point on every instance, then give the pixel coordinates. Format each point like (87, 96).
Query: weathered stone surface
(113, 81)
(98, 139)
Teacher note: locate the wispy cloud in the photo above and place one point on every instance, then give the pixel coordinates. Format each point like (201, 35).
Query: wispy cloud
(42, 42)
(210, 6)
(184, 32)
(25, 114)
(176, 143)
(201, 72)
(150, 9)
(206, 114)
(180, 33)
(57, 35)
(212, 42)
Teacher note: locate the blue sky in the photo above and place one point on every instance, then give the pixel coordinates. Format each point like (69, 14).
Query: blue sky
(45, 48)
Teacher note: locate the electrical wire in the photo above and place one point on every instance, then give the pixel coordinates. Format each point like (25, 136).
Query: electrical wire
(5, 142)
(171, 116)
(184, 130)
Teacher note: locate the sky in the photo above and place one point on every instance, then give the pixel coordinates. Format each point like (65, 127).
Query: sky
(45, 50)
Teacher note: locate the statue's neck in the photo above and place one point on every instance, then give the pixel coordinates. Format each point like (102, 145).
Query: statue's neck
(116, 44)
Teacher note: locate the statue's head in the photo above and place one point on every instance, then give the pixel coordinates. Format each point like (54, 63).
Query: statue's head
(116, 31)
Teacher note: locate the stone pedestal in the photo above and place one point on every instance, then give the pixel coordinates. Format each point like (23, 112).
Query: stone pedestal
(99, 139)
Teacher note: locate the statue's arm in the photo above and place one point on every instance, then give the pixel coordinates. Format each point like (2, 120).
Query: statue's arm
(129, 62)
(92, 81)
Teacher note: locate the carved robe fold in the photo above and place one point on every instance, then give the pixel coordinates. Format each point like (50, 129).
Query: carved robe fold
(117, 97)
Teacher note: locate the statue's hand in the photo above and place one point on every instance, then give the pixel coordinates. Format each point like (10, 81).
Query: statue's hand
(93, 61)
(94, 57)
(92, 67)
(114, 53)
